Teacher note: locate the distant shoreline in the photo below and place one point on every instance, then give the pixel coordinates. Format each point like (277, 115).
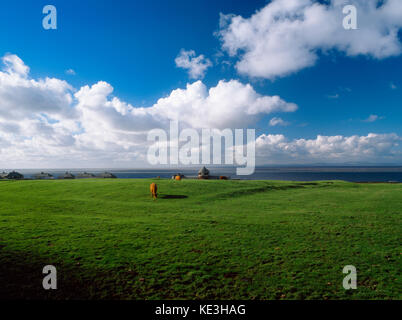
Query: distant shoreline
(236, 179)
(351, 174)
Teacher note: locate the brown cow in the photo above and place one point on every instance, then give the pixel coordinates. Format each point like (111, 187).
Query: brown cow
(154, 190)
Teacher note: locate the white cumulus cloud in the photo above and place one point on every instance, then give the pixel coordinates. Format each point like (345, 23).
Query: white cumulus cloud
(23, 98)
(275, 121)
(71, 72)
(195, 65)
(230, 104)
(14, 65)
(288, 35)
(373, 118)
(48, 122)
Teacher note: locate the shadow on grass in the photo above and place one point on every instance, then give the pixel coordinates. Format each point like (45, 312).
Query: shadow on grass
(172, 196)
(21, 279)
(250, 191)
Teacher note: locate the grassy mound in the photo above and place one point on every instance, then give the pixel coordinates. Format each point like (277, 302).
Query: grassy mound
(200, 239)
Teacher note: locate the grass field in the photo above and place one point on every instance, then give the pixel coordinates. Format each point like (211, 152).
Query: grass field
(200, 239)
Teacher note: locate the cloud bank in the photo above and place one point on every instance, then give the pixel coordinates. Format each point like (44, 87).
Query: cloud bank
(373, 148)
(47, 121)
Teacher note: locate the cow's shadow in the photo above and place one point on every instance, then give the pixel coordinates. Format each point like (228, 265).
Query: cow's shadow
(172, 196)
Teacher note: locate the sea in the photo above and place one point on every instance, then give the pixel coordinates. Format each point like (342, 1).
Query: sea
(352, 174)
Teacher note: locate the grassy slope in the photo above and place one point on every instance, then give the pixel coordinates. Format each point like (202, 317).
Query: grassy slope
(224, 239)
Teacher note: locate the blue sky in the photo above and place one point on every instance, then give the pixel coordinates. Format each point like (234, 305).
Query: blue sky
(132, 45)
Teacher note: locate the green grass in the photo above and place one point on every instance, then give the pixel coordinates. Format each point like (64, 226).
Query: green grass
(200, 239)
